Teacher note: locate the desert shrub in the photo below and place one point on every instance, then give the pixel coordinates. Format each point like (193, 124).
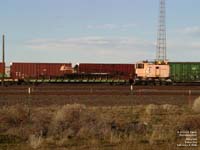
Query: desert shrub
(196, 105)
(161, 134)
(40, 121)
(189, 123)
(65, 142)
(170, 108)
(35, 141)
(75, 121)
(93, 125)
(152, 109)
(136, 127)
(65, 118)
(129, 128)
(77, 125)
(11, 139)
(13, 121)
(115, 138)
(22, 131)
(15, 115)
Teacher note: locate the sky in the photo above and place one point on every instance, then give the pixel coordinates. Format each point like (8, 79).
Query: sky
(97, 31)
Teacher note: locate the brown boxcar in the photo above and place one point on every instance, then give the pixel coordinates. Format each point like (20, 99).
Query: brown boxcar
(23, 70)
(1, 68)
(124, 70)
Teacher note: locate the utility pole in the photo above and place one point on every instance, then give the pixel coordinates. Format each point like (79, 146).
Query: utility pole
(3, 60)
(161, 38)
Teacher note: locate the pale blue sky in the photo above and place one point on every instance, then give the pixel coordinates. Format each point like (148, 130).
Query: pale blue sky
(113, 31)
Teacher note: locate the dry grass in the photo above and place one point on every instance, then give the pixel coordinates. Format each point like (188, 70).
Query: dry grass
(153, 109)
(35, 141)
(77, 125)
(196, 105)
(14, 115)
(190, 122)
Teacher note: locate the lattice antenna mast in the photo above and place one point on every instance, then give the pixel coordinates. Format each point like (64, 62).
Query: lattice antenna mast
(161, 38)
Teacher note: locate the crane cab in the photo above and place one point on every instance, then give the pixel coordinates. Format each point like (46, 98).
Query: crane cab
(152, 72)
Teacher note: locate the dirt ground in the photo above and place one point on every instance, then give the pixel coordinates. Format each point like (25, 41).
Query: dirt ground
(95, 100)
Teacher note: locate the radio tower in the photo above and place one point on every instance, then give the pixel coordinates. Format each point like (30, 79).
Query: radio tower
(161, 38)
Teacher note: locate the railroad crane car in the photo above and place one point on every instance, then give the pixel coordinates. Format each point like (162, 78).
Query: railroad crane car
(157, 72)
(152, 73)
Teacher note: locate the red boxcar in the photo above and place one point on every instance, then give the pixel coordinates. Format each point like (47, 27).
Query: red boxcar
(39, 70)
(114, 69)
(1, 68)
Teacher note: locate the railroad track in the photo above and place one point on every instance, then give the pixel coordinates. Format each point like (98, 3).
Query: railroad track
(97, 95)
(95, 86)
(100, 90)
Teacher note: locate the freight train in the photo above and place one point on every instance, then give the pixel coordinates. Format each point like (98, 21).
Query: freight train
(168, 73)
(144, 73)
